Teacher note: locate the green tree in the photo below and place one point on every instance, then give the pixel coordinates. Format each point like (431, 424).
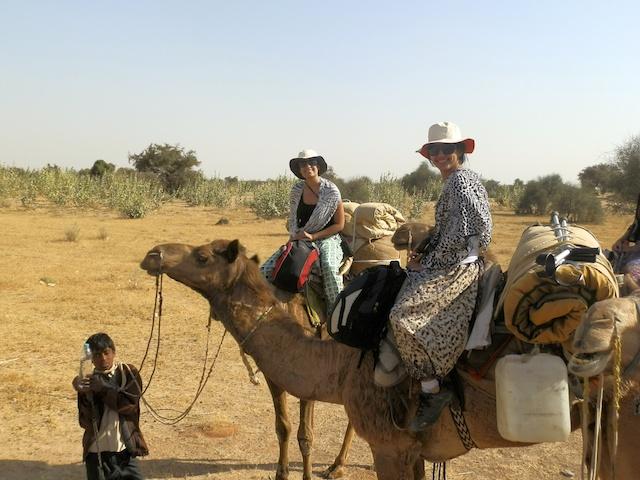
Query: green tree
(420, 179)
(358, 189)
(492, 187)
(601, 177)
(538, 195)
(332, 176)
(627, 160)
(171, 164)
(549, 193)
(100, 167)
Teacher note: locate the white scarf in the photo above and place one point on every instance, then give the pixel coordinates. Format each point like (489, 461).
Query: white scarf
(328, 200)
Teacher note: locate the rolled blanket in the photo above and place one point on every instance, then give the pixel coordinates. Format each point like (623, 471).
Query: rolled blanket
(543, 309)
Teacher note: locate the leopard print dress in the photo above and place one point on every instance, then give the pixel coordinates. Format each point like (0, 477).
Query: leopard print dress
(431, 315)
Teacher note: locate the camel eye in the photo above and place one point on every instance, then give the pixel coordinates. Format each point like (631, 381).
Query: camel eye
(201, 258)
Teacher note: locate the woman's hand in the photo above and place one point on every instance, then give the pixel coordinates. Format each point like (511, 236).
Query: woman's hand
(621, 245)
(414, 263)
(302, 235)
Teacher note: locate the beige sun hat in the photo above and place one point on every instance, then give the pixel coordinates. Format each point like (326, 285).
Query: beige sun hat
(307, 154)
(446, 132)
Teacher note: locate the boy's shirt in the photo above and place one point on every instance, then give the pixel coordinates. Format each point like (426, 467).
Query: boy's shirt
(109, 432)
(118, 407)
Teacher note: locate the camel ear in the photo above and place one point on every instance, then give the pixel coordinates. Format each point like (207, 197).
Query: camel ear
(256, 259)
(232, 250)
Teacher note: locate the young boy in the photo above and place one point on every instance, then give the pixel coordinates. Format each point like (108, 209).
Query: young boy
(110, 400)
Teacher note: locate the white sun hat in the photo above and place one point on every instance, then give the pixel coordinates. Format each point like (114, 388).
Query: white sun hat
(446, 132)
(307, 154)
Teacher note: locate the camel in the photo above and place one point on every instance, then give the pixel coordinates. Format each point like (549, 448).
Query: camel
(406, 237)
(321, 369)
(592, 354)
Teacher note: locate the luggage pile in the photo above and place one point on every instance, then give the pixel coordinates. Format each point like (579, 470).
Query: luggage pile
(556, 273)
(368, 230)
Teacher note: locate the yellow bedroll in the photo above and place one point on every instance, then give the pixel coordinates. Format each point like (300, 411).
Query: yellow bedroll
(543, 309)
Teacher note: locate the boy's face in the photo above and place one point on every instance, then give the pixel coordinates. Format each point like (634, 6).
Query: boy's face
(103, 360)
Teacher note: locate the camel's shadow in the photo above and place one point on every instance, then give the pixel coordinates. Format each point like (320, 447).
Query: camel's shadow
(151, 468)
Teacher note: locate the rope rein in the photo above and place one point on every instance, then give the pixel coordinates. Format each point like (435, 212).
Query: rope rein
(204, 376)
(614, 415)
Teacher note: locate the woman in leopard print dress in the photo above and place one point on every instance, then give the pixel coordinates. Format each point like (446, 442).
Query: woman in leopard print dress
(430, 318)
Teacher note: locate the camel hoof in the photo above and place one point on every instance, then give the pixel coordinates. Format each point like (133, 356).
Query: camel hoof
(281, 474)
(334, 471)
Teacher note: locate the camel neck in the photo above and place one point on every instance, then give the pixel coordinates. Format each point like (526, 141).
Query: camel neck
(304, 366)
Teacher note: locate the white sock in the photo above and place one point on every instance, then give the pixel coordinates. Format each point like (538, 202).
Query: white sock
(430, 386)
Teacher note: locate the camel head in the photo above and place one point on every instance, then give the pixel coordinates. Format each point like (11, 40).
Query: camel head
(593, 339)
(410, 235)
(629, 285)
(211, 269)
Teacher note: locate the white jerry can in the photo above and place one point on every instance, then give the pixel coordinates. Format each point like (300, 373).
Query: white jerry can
(532, 398)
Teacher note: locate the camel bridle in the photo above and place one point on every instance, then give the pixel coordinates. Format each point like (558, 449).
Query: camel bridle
(204, 376)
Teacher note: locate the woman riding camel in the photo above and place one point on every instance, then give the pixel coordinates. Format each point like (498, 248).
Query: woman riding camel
(431, 316)
(627, 248)
(316, 214)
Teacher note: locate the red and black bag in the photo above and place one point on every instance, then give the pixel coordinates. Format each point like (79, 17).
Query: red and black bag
(294, 265)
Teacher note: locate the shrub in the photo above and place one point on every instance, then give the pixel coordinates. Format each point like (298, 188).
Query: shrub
(209, 192)
(537, 196)
(547, 194)
(357, 189)
(420, 179)
(508, 196)
(103, 234)
(271, 199)
(578, 205)
(72, 233)
(417, 201)
(388, 190)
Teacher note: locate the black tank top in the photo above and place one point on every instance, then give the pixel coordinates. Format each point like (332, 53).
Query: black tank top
(303, 214)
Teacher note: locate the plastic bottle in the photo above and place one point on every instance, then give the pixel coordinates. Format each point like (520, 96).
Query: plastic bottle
(86, 366)
(532, 398)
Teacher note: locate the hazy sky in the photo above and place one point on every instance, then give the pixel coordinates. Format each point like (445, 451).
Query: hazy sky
(543, 86)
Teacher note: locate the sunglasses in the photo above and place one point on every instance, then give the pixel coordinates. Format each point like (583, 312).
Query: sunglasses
(446, 148)
(312, 162)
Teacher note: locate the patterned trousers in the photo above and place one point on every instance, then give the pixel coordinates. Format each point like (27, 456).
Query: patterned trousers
(330, 259)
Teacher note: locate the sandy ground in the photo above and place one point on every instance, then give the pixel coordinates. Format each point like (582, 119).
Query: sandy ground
(95, 284)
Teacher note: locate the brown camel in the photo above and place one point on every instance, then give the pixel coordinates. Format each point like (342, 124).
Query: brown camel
(407, 237)
(593, 354)
(294, 305)
(320, 369)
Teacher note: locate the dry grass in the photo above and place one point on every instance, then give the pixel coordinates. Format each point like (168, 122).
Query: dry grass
(98, 286)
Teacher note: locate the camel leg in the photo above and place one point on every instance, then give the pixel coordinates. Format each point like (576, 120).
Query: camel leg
(283, 429)
(337, 469)
(418, 470)
(305, 436)
(394, 465)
